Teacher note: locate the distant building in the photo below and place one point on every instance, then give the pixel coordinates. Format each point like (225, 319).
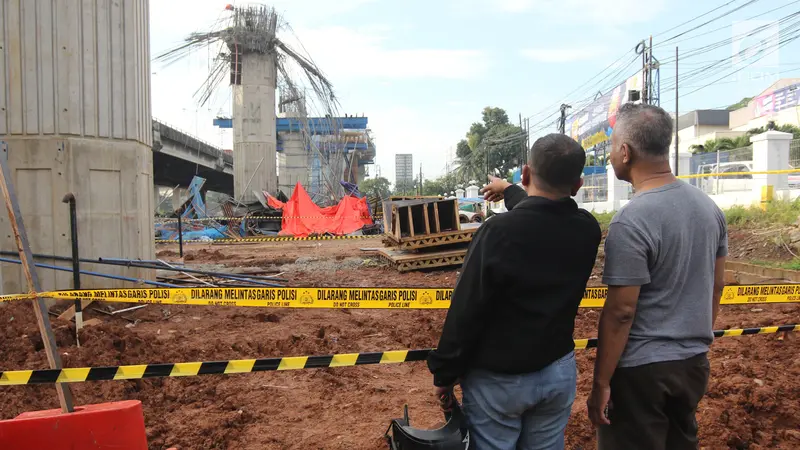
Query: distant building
(403, 170)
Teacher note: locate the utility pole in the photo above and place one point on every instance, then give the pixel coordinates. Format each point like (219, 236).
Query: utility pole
(420, 179)
(677, 159)
(562, 121)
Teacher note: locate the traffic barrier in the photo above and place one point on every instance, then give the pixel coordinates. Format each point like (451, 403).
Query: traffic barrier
(358, 298)
(268, 239)
(117, 425)
(227, 367)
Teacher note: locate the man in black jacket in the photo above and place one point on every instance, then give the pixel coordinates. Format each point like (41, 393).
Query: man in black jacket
(508, 338)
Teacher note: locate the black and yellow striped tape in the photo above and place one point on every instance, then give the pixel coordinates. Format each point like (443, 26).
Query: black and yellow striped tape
(275, 218)
(190, 369)
(358, 298)
(269, 239)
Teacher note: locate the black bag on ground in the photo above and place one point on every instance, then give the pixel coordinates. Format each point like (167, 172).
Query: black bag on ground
(454, 435)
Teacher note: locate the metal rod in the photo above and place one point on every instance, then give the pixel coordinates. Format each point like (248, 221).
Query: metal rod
(677, 158)
(76, 264)
(180, 235)
(34, 285)
(93, 274)
(148, 264)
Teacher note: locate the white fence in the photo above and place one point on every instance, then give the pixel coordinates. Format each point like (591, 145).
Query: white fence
(769, 151)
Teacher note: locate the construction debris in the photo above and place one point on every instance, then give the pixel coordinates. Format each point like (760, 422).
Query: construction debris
(425, 233)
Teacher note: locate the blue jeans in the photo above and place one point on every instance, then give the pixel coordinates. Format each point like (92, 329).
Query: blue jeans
(520, 412)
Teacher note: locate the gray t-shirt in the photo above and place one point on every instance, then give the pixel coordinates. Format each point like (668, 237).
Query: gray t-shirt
(667, 240)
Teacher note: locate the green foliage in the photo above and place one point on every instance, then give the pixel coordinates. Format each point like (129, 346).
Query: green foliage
(721, 144)
(491, 146)
(442, 185)
(604, 219)
(786, 128)
(494, 116)
(794, 264)
(776, 213)
(740, 104)
(376, 187)
(463, 150)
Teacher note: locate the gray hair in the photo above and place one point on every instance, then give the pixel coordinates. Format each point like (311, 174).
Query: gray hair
(645, 128)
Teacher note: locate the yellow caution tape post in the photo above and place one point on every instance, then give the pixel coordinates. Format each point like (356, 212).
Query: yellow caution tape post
(359, 298)
(227, 367)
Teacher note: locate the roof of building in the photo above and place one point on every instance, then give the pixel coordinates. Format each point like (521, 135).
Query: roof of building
(717, 117)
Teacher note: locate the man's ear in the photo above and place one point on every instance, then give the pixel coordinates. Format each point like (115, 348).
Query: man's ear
(576, 188)
(526, 175)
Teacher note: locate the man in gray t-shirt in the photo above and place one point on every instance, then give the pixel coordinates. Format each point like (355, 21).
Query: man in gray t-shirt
(664, 265)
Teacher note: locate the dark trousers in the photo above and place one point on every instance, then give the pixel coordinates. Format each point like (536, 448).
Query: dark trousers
(653, 406)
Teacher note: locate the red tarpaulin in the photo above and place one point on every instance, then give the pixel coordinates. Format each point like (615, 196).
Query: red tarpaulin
(302, 217)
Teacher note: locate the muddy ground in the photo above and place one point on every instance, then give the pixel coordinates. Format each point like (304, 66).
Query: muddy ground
(752, 401)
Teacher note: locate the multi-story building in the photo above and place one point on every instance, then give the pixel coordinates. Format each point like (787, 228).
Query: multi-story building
(403, 171)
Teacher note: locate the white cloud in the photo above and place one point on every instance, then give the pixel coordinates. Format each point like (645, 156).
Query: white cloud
(562, 55)
(363, 53)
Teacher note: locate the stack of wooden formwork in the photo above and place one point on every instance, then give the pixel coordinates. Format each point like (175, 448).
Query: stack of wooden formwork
(424, 233)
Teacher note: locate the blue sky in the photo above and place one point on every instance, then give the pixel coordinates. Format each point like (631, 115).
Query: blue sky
(422, 71)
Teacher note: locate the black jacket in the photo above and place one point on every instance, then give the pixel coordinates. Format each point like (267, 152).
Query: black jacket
(514, 306)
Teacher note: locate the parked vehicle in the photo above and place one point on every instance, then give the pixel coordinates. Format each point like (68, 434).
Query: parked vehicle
(741, 182)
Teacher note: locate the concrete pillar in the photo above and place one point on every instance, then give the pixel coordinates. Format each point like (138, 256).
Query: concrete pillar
(771, 152)
(617, 190)
(254, 137)
(459, 193)
(75, 117)
(295, 165)
(684, 163)
(472, 191)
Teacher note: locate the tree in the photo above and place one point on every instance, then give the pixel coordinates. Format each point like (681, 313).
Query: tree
(494, 116)
(721, 144)
(493, 146)
(786, 128)
(740, 104)
(376, 187)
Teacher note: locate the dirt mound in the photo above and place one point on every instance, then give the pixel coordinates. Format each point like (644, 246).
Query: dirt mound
(751, 403)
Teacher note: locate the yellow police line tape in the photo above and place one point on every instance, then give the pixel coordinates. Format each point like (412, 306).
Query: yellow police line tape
(276, 218)
(269, 239)
(190, 369)
(357, 298)
(733, 174)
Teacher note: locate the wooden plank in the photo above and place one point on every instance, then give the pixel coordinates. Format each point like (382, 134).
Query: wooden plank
(436, 218)
(397, 233)
(410, 222)
(29, 268)
(70, 312)
(92, 322)
(400, 256)
(427, 222)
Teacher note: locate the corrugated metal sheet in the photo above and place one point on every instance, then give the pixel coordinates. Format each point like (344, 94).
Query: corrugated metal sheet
(75, 67)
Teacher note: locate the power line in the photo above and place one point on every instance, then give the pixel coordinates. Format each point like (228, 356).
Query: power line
(695, 18)
(782, 44)
(566, 97)
(726, 26)
(711, 20)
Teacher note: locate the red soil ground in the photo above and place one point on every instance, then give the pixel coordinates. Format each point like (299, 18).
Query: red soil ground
(752, 401)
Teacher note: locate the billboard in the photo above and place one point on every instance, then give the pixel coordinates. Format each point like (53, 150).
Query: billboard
(776, 100)
(593, 124)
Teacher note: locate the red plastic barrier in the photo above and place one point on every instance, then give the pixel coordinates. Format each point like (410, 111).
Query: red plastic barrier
(107, 426)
